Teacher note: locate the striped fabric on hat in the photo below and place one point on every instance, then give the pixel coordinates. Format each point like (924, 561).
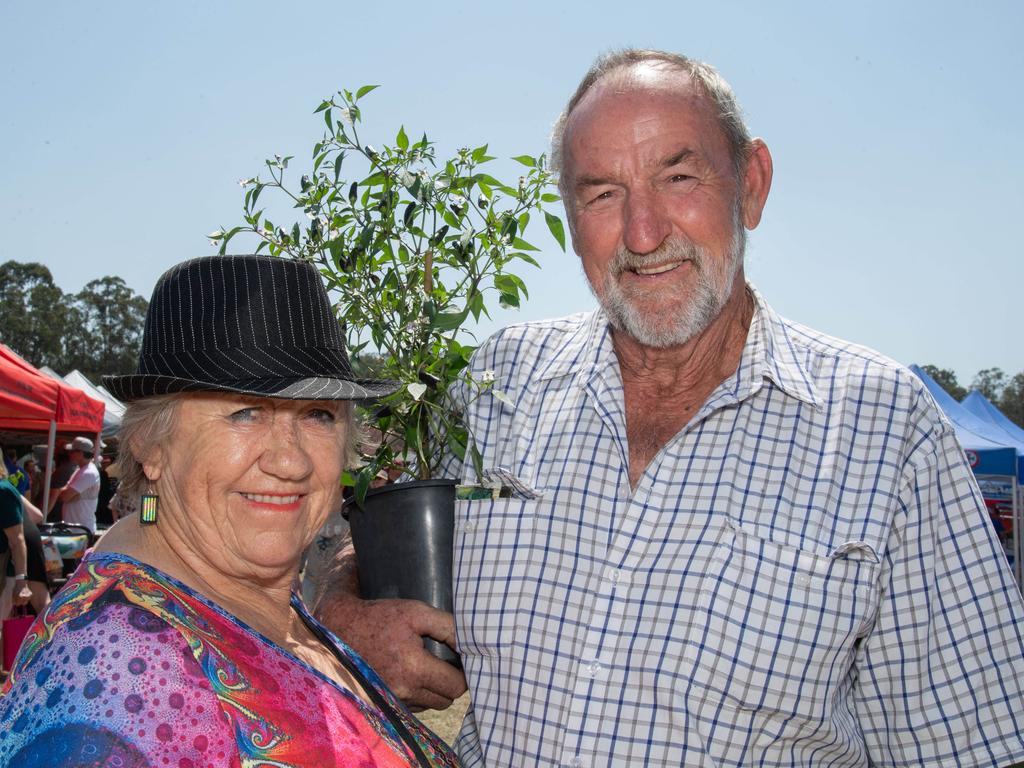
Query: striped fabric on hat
(249, 324)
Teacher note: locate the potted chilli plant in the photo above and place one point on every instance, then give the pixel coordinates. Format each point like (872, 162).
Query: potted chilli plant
(413, 248)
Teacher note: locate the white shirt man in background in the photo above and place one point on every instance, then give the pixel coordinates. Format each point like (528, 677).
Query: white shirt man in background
(80, 494)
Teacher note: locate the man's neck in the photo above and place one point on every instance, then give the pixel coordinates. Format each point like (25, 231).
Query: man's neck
(664, 388)
(701, 363)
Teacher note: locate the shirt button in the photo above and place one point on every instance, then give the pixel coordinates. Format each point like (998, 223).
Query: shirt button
(593, 669)
(576, 762)
(617, 576)
(469, 526)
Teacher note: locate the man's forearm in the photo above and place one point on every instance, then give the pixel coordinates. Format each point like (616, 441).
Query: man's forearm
(34, 513)
(19, 552)
(341, 576)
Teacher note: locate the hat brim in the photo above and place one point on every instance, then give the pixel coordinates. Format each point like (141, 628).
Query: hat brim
(138, 386)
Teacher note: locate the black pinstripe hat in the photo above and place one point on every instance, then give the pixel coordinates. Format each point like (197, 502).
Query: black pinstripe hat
(255, 325)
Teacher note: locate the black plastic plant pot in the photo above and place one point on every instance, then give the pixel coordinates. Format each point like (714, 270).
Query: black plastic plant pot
(403, 539)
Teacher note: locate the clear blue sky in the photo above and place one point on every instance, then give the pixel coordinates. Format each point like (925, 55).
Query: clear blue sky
(895, 129)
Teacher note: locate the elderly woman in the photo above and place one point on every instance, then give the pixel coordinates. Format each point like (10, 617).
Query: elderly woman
(180, 641)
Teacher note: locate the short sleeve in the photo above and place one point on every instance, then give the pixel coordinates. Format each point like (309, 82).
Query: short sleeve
(10, 506)
(83, 481)
(940, 678)
(116, 686)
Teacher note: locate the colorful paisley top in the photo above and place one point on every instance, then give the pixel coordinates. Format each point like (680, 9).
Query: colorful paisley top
(130, 668)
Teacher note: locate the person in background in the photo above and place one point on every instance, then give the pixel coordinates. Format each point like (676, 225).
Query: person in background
(78, 498)
(104, 515)
(36, 579)
(735, 540)
(16, 475)
(35, 478)
(179, 641)
(13, 553)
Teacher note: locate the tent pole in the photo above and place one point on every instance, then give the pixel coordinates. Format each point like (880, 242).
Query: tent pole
(50, 444)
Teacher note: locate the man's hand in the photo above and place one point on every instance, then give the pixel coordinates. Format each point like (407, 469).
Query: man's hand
(22, 594)
(389, 635)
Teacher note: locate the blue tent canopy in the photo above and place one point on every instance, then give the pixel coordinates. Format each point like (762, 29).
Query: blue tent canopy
(982, 407)
(989, 450)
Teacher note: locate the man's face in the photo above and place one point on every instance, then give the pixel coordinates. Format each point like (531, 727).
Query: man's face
(656, 210)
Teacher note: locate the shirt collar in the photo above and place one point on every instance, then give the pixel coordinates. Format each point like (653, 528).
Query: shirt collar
(769, 353)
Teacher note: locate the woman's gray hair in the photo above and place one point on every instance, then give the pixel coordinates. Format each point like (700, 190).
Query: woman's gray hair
(146, 423)
(150, 421)
(706, 77)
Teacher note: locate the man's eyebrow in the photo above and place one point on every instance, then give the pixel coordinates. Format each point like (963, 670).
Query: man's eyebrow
(592, 181)
(684, 154)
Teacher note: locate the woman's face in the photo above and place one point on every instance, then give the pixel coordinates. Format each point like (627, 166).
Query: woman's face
(248, 481)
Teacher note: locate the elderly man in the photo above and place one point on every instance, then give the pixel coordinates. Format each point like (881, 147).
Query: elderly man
(750, 543)
(78, 498)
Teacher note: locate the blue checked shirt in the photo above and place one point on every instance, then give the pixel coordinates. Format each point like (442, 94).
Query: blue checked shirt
(804, 576)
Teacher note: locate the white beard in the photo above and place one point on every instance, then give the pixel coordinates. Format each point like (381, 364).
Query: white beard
(715, 279)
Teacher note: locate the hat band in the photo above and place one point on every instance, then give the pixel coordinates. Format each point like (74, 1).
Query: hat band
(236, 363)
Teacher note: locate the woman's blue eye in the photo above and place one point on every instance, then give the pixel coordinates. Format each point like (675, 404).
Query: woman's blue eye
(322, 415)
(245, 414)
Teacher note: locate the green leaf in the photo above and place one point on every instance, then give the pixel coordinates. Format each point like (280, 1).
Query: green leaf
(547, 197)
(555, 225)
(508, 301)
(401, 139)
(522, 245)
(295, 233)
(363, 480)
(323, 105)
(457, 440)
(525, 257)
(478, 460)
(365, 90)
(526, 160)
(503, 398)
(449, 321)
(508, 229)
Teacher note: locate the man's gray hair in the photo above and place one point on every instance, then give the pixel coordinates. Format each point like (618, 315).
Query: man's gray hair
(706, 77)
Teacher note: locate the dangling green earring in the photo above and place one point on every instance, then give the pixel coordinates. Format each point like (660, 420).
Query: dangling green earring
(149, 509)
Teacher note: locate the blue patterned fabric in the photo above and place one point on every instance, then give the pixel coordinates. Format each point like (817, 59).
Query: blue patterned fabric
(805, 575)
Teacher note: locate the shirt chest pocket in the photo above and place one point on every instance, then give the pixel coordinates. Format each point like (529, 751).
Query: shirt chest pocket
(492, 571)
(782, 624)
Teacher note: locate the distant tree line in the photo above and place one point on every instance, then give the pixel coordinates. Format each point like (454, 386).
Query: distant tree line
(97, 330)
(1005, 392)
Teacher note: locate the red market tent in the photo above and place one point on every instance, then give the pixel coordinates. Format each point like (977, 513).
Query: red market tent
(32, 402)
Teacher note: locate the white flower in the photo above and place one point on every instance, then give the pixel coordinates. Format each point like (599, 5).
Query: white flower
(406, 178)
(487, 377)
(346, 115)
(458, 200)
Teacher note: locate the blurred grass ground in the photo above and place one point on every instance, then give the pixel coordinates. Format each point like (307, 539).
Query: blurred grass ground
(446, 723)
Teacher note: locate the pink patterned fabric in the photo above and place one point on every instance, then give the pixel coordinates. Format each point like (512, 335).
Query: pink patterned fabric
(129, 667)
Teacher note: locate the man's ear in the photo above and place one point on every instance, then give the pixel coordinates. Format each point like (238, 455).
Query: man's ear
(757, 181)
